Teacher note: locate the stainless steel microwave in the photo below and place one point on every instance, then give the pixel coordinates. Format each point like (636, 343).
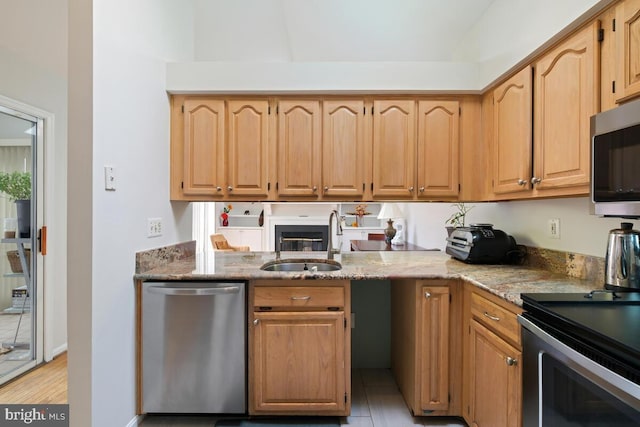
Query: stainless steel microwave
(615, 162)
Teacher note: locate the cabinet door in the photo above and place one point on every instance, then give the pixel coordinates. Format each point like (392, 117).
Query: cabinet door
(344, 151)
(434, 347)
(394, 149)
(298, 362)
(565, 98)
(248, 148)
(204, 122)
(299, 150)
(512, 135)
(438, 142)
(496, 385)
(628, 43)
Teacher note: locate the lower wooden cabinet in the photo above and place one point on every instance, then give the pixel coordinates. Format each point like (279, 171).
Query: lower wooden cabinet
(492, 366)
(495, 382)
(299, 348)
(425, 345)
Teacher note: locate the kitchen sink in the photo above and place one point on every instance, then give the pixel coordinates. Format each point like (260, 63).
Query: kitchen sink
(312, 265)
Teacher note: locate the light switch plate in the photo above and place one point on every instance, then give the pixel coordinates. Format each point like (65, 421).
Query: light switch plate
(110, 178)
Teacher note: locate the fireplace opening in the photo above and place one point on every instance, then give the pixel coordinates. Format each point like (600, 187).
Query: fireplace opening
(301, 237)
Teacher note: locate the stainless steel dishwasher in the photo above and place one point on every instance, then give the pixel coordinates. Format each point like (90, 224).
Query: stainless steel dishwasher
(194, 338)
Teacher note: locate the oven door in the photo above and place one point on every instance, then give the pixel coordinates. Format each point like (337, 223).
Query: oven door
(563, 388)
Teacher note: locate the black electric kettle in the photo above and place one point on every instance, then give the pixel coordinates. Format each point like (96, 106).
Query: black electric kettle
(622, 263)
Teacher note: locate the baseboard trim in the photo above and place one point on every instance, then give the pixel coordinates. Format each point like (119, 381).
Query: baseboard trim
(136, 421)
(59, 350)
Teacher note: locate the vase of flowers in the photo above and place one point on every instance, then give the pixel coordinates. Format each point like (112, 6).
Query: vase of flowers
(224, 216)
(361, 211)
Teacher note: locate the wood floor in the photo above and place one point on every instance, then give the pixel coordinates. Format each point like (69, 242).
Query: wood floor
(43, 385)
(376, 402)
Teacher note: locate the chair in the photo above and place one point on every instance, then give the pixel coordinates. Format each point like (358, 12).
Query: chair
(219, 243)
(375, 236)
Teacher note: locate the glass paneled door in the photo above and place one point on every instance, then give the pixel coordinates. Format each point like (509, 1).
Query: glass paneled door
(20, 136)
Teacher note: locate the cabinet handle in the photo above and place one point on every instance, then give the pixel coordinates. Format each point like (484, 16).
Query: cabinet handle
(326, 188)
(427, 295)
(497, 319)
(421, 189)
(410, 189)
(536, 180)
(218, 188)
(314, 189)
(256, 321)
(230, 188)
(511, 361)
(304, 298)
(522, 182)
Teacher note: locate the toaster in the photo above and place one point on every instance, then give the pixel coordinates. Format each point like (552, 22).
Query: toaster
(481, 244)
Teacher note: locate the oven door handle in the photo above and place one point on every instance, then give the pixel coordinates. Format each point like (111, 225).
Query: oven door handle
(618, 386)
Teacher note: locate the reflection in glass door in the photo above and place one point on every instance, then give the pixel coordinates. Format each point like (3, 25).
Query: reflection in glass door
(18, 143)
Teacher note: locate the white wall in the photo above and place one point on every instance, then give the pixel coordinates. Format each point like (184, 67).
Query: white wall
(526, 221)
(125, 124)
(510, 30)
(281, 45)
(33, 64)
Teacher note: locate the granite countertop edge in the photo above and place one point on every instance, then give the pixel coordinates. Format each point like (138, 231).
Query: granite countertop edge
(504, 281)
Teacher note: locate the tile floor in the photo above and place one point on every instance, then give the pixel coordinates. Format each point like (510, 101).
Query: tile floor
(376, 402)
(20, 355)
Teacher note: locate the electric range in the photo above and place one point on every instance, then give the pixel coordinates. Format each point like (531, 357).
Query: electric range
(581, 359)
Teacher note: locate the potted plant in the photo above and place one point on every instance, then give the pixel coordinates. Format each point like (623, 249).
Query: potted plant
(458, 217)
(17, 185)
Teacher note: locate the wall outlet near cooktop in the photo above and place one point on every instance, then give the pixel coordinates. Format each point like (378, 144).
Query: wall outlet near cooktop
(553, 228)
(154, 227)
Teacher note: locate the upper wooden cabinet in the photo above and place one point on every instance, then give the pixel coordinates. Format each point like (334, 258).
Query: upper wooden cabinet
(438, 146)
(394, 149)
(248, 148)
(203, 149)
(565, 98)
(299, 166)
(344, 152)
(512, 136)
(628, 48)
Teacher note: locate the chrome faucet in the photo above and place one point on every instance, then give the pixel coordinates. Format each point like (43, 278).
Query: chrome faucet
(330, 250)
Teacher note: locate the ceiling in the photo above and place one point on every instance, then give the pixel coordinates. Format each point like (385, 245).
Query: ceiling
(333, 30)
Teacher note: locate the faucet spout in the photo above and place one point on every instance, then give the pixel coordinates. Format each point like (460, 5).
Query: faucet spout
(330, 250)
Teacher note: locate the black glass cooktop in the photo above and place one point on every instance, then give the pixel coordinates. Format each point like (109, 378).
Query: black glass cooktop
(603, 324)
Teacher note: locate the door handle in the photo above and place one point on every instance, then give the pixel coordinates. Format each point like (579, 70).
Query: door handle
(162, 290)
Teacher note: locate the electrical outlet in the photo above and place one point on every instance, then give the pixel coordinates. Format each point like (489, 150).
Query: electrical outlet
(154, 227)
(553, 228)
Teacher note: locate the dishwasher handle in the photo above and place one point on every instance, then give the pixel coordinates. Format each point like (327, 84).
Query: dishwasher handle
(164, 290)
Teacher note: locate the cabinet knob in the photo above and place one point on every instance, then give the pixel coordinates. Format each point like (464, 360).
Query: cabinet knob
(421, 189)
(522, 182)
(256, 321)
(536, 180)
(218, 188)
(326, 188)
(427, 295)
(314, 189)
(511, 361)
(230, 188)
(410, 189)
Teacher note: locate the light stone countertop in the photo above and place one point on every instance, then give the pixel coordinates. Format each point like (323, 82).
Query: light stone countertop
(505, 281)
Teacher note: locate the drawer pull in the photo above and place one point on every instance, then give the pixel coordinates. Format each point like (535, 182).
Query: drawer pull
(511, 361)
(305, 298)
(497, 319)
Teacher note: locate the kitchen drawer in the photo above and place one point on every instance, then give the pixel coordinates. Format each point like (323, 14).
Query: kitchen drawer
(496, 317)
(294, 297)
